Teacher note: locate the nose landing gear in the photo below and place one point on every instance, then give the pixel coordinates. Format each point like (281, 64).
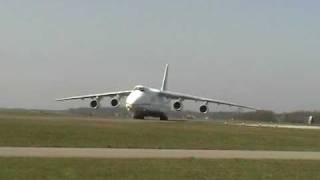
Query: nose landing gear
(162, 116)
(138, 116)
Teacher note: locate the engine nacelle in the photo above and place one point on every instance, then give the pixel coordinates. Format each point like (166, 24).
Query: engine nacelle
(204, 109)
(115, 102)
(95, 104)
(178, 106)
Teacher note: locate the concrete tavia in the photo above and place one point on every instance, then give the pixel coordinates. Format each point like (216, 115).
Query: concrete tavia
(278, 126)
(153, 153)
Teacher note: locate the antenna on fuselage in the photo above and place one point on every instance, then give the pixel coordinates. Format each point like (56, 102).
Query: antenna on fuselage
(165, 79)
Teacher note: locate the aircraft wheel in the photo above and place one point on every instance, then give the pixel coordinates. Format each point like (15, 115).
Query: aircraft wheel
(138, 116)
(164, 118)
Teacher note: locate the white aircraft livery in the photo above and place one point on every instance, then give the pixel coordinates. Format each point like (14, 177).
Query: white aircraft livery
(144, 101)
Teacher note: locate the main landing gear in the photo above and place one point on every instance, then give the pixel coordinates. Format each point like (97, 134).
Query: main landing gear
(163, 117)
(138, 116)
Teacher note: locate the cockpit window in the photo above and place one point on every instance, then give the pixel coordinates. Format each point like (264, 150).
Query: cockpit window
(142, 89)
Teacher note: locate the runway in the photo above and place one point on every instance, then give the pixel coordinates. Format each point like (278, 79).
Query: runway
(282, 126)
(153, 153)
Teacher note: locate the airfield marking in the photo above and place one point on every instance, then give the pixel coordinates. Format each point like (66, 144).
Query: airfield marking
(153, 153)
(278, 126)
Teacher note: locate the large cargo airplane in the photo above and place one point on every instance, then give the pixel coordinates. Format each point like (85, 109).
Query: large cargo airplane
(144, 101)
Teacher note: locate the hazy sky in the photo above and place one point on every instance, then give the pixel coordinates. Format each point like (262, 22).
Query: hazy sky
(259, 53)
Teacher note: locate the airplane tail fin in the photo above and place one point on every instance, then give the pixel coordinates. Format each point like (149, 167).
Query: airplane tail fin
(165, 79)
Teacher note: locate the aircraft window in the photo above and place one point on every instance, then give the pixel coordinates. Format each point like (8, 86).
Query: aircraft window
(140, 89)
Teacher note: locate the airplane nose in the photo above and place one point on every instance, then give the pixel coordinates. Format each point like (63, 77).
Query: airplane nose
(129, 106)
(131, 100)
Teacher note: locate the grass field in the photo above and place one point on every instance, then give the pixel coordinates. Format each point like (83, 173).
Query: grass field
(68, 131)
(75, 169)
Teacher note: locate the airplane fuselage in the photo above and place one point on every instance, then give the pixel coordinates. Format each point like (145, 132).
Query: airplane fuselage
(143, 101)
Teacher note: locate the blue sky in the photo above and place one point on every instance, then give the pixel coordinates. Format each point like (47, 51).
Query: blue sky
(260, 53)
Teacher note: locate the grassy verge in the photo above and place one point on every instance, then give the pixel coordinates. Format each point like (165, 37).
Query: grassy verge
(59, 131)
(15, 168)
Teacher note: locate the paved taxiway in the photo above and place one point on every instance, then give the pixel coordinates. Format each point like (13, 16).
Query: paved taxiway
(153, 153)
(278, 126)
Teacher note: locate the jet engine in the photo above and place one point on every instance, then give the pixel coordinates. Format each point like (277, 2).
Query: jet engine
(177, 105)
(204, 109)
(95, 104)
(115, 102)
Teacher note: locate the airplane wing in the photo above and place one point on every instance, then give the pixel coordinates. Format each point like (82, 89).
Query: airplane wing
(174, 95)
(92, 96)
